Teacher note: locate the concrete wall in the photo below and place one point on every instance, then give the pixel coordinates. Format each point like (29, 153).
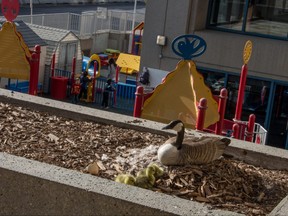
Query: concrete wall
(103, 40)
(32, 188)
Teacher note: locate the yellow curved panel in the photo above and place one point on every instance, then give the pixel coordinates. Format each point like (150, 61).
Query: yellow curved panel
(128, 70)
(14, 53)
(129, 61)
(178, 96)
(95, 57)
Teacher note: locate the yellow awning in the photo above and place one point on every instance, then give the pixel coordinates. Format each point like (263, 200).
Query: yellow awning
(128, 63)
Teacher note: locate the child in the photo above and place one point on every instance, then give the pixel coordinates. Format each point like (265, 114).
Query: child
(112, 68)
(107, 89)
(84, 81)
(75, 91)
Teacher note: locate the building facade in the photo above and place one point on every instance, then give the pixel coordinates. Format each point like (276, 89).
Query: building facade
(226, 26)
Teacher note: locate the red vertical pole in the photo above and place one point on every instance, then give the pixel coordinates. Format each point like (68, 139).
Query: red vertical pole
(250, 128)
(53, 65)
(94, 81)
(73, 71)
(34, 71)
(133, 42)
(235, 131)
(241, 92)
(221, 110)
(202, 106)
(138, 101)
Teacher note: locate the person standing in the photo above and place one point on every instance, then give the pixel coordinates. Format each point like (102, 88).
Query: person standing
(107, 89)
(84, 81)
(75, 91)
(112, 68)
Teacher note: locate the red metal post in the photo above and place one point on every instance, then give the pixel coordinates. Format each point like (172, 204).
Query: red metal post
(94, 81)
(235, 131)
(53, 65)
(202, 106)
(250, 128)
(133, 42)
(221, 110)
(241, 92)
(73, 71)
(34, 71)
(138, 101)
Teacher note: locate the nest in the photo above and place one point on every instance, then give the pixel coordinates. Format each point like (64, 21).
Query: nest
(225, 183)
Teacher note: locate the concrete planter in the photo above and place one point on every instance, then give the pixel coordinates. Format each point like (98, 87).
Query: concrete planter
(29, 187)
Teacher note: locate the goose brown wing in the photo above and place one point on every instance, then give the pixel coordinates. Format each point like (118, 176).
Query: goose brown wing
(203, 150)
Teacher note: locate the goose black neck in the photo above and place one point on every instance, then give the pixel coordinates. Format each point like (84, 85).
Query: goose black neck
(179, 138)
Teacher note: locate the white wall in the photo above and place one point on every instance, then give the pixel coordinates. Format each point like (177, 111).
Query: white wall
(155, 77)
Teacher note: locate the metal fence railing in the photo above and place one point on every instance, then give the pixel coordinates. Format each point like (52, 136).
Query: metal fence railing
(259, 135)
(62, 73)
(123, 98)
(87, 23)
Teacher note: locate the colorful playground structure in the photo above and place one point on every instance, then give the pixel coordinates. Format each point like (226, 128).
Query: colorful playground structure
(194, 103)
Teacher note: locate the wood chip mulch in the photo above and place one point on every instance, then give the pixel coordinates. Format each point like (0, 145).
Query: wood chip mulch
(225, 183)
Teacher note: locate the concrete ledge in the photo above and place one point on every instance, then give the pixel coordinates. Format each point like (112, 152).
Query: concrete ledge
(281, 209)
(33, 188)
(29, 187)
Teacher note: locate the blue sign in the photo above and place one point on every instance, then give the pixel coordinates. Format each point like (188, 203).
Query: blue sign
(188, 46)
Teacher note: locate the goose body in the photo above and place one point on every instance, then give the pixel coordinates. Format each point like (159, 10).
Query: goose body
(180, 151)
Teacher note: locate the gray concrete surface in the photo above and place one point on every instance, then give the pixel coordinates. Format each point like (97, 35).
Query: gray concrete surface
(281, 209)
(32, 188)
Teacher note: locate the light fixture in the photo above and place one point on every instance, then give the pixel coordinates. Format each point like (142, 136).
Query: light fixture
(161, 40)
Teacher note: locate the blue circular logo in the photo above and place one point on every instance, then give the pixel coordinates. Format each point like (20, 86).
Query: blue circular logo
(188, 46)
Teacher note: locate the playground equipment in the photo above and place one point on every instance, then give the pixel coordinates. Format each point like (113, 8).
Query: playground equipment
(129, 64)
(17, 61)
(137, 39)
(183, 95)
(88, 65)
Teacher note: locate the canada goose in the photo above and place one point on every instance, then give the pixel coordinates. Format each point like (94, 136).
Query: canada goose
(145, 178)
(126, 179)
(180, 151)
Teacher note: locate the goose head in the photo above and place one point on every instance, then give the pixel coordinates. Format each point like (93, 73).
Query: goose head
(178, 126)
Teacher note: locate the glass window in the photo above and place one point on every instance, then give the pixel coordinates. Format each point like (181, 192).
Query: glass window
(255, 98)
(214, 80)
(265, 17)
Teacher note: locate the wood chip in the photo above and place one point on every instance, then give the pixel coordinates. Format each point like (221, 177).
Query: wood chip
(201, 199)
(101, 165)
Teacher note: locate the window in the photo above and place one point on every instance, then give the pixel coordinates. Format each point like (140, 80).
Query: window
(262, 17)
(255, 98)
(215, 81)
